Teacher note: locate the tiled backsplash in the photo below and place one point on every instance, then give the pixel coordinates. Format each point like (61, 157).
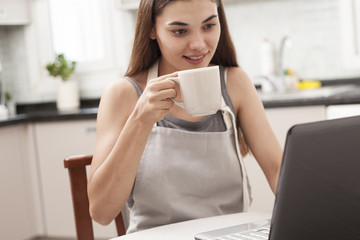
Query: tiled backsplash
(13, 59)
(312, 25)
(7, 70)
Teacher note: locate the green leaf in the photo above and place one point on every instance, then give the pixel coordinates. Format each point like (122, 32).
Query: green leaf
(61, 67)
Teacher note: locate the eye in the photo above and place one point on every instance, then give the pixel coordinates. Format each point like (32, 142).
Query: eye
(209, 26)
(179, 32)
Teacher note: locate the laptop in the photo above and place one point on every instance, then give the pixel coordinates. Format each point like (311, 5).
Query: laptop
(318, 194)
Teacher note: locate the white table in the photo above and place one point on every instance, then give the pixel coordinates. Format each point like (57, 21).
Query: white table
(186, 230)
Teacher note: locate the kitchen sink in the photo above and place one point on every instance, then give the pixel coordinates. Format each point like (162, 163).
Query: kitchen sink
(322, 92)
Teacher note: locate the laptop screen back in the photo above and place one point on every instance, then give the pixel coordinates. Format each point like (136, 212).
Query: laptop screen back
(319, 187)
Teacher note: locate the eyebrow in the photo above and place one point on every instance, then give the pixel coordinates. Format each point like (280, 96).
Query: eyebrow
(185, 24)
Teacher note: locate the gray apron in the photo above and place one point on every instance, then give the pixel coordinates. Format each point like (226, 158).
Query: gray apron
(186, 175)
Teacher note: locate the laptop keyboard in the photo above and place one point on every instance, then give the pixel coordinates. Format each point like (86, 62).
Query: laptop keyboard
(255, 234)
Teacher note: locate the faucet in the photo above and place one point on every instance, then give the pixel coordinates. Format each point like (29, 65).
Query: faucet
(269, 83)
(285, 42)
(276, 80)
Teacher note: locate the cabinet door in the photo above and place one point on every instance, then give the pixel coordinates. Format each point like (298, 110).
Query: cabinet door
(280, 119)
(14, 12)
(14, 209)
(57, 140)
(342, 110)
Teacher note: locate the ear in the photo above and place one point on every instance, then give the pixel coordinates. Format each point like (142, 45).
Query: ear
(153, 34)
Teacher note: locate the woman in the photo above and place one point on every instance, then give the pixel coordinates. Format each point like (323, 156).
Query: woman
(167, 165)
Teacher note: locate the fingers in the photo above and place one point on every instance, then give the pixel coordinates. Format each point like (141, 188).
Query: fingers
(161, 80)
(162, 88)
(164, 77)
(155, 102)
(166, 104)
(165, 94)
(161, 83)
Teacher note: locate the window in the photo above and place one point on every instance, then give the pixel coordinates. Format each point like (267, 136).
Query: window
(91, 32)
(78, 33)
(80, 29)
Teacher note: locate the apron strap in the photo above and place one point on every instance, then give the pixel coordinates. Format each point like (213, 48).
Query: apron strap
(229, 119)
(153, 71)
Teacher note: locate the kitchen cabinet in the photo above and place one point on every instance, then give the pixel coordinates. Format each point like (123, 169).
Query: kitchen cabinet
(281, 120)
(20, 206)
(342, 110)
(55, 141)
(14, 12)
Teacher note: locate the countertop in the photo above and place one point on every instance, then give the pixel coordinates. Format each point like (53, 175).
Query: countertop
(328, 95)
(51, 115)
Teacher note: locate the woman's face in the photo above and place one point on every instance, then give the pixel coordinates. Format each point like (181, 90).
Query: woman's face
(187, 32)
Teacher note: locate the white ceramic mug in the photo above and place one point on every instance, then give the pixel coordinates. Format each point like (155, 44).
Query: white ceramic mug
(200, 90)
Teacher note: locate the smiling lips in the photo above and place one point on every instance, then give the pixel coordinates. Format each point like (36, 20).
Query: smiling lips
(195, 59)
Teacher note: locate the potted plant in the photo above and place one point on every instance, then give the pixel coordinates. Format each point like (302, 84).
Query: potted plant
(67, 95)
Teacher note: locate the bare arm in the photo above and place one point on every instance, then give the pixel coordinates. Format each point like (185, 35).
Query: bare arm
(123, 126)
(254, 124)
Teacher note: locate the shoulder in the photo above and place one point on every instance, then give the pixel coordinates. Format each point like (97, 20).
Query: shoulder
(119, 89)
(237, 76)
(239, 86)
(118, 100)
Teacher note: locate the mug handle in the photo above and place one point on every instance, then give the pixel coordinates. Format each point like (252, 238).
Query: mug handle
(176, 79)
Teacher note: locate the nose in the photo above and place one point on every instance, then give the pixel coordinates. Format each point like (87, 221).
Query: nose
(197, 41)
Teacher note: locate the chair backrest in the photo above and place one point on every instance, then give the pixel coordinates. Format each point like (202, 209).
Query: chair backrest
(76, 166)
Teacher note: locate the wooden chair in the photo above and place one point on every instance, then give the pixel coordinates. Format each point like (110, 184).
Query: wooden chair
(76, 166)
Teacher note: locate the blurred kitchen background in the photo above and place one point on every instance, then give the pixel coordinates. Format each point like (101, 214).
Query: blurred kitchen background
(314, 27)
(323, 43)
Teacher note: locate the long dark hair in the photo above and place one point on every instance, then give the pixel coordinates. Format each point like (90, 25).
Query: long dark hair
(146, 51)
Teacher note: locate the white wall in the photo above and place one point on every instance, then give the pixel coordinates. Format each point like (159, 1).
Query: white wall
(313, 25)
